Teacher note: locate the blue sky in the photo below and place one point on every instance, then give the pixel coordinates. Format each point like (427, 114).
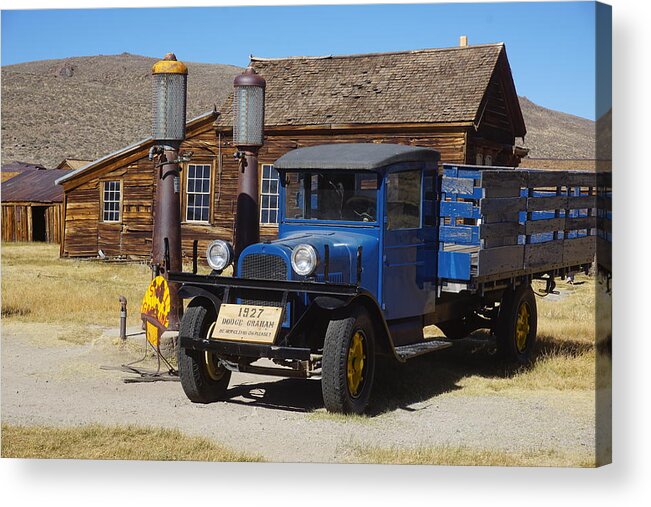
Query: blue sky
(551, 46)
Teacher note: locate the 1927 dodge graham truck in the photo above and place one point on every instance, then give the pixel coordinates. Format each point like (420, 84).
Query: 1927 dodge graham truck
(375, 242)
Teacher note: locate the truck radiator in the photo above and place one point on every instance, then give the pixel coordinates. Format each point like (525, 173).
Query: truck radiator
(264, 267)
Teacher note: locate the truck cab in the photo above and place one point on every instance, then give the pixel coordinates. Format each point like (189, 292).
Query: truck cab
(357, 214)
(371, 248)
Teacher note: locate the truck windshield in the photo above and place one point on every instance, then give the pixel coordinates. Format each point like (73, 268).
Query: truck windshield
(332, 195)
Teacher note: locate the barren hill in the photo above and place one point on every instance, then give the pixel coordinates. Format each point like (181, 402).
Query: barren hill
(86, 107)
(552, 134)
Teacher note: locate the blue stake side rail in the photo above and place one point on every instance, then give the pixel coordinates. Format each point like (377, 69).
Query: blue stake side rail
(500, 223)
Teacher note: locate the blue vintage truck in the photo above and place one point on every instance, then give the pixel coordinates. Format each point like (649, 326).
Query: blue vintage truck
(375, 242)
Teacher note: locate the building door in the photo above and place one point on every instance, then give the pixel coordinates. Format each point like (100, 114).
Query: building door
(39, 229)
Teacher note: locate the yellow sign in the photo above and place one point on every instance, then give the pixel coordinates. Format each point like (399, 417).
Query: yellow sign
(155, 309)
(247, 323)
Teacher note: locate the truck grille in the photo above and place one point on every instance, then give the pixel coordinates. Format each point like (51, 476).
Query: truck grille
(264, 267)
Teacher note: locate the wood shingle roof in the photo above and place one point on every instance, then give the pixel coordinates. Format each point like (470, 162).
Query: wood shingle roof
(425, 86)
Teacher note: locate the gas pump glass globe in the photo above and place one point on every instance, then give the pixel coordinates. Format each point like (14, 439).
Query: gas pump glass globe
(169, 90)
(249, 116)
(248, 109)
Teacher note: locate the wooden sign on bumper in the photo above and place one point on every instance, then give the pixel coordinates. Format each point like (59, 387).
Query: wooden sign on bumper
(247, 323)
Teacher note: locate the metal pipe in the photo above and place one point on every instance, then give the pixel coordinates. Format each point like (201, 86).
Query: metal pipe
(123, 318)
(166, 248)
(247, 224)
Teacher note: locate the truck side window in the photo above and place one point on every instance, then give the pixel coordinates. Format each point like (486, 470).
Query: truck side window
(429, 199)
(404, 200)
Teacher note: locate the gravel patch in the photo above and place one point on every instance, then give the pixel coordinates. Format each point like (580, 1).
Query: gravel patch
(49, 382)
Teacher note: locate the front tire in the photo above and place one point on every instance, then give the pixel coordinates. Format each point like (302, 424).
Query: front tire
(517, 324)
(203, 378)
(348, 365)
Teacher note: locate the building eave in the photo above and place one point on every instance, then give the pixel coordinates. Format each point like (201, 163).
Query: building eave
(132, 148)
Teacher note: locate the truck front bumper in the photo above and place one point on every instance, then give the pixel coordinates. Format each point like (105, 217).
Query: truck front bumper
(238, 356)
(244, 349)
(293, 286)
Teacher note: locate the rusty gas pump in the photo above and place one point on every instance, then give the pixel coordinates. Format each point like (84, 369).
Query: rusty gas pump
(169, 80)
(248, 137)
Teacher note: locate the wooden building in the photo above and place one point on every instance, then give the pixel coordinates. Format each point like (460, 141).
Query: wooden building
(72, 164)
(461, 101)
(32, 206)
(15, 168)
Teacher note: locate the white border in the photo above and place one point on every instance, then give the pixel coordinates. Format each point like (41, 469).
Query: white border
(626, 482)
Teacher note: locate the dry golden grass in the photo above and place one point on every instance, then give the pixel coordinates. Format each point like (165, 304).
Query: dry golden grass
(566, 341)
(465, 456)
(566, 359)
(102, 442)
(566, 338)
(38, 286)
(323, 415)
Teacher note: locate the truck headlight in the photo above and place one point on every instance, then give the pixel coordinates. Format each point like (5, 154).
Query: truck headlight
(304, 260)
(219, 254)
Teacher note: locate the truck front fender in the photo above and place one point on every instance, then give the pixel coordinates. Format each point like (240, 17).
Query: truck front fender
(384, 341)
(192, 291)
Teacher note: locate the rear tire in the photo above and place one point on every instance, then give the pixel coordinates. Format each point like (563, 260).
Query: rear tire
(348, 365)
(517, 324)
(203, 379)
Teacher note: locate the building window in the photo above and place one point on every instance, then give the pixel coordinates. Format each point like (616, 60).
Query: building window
(269, 195)
(479, 159)
(197, 203)
(489, 160)
(111, 200)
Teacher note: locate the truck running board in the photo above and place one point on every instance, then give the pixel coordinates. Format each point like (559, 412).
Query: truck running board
(416, 349)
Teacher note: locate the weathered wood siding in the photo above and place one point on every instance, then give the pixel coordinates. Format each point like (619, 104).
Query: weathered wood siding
(85, 233)
(17, 221)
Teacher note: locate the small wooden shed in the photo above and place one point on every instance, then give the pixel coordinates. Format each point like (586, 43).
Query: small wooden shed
(32, 206)
(15, 168)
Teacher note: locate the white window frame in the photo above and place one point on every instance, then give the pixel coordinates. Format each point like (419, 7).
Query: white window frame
(268, 193)
(189, 192)
(114, 197)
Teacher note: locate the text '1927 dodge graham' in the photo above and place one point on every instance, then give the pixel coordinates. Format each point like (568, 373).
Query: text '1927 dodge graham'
(375, 242)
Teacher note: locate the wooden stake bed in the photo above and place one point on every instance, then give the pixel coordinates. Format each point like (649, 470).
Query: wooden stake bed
(503, 223)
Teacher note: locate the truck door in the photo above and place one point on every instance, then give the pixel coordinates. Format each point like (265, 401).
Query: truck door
(409, 250)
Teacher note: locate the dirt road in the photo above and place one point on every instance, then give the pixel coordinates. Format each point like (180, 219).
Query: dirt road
(47, 381)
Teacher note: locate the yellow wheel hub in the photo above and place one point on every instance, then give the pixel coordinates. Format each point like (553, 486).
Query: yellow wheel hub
(213, 368)
(522, 327)
(355, 363)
